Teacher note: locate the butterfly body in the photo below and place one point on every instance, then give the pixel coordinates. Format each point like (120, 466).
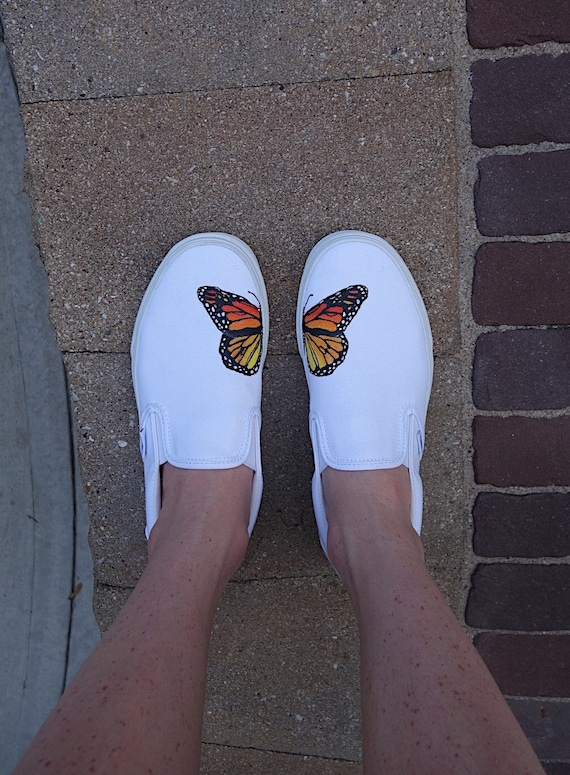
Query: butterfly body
(240, 322)
(324, 324)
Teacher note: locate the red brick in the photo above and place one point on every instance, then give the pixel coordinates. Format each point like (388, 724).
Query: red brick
(505, 596)
(546, 724)
(535, 525)
(527, 665)
(522, 284)
(521, 451)
(523, 194)
(525, 369)
(520, 100)
(494, 23)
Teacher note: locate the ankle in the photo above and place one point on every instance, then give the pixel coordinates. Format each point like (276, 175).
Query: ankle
(384, 492)
(203, 512)
(369, 519)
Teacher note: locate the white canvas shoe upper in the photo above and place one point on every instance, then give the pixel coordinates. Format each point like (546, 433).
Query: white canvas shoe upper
(365, 340)
(198, 349)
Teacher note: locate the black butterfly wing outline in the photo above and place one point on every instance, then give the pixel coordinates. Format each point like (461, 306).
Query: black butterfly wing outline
(324, 324)
(240, 322)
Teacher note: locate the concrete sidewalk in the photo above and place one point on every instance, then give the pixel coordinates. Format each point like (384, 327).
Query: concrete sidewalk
(278, 126)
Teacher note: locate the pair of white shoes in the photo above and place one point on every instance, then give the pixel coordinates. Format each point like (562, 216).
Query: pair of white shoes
(200, 341)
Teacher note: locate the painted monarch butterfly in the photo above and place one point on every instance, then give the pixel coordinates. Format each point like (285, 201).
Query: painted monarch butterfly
(324, 325)
(240, 323)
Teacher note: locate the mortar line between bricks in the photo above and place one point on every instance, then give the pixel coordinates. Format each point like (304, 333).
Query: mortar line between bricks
(485, 152)
(549, 414)
(531, 239)
(222, 89)
(538, 698)
(472, 633)
(542, 561)
(503, 328)
(518, 490)
(544, 48)
(481, 630)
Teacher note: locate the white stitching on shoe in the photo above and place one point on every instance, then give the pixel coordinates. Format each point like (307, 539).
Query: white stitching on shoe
(359, 462)
(163, 451)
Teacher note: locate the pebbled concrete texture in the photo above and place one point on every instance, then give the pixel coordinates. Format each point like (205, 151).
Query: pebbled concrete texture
(117, 182)
(258, 697)
(102, 48)
(278, 126)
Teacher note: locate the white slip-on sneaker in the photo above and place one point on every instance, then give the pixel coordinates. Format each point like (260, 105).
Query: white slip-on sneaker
(365, 340)
(198, 348)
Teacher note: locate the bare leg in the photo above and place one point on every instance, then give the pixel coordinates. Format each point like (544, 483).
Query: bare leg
(136, 705)
(429, 705)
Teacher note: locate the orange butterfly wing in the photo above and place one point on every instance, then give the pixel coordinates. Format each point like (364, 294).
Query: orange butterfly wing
(324, 325)
(240, 323)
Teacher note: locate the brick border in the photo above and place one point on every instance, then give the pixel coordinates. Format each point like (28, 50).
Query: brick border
(519, 599)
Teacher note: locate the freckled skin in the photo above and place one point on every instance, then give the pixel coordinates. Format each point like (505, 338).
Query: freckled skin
(136, 705)
(429, 705)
